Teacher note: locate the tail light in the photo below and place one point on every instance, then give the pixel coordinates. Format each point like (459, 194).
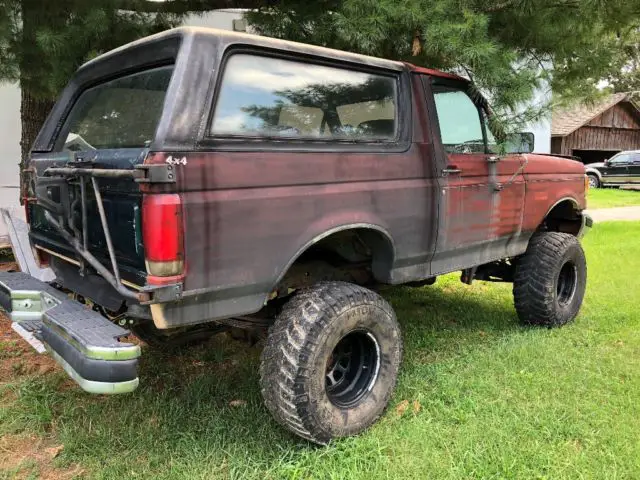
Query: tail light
(162, 234)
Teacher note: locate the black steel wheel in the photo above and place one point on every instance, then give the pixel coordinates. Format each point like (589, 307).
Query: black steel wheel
(352, 368)
(567, 284)
(331, 361)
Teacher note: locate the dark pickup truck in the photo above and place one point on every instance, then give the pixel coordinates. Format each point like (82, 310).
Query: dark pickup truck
(199, 180)
(623, 169)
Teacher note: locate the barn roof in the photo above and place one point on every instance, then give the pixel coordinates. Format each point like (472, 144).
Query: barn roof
(567, 121)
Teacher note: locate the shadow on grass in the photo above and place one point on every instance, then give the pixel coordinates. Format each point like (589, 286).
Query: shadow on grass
(202, 409)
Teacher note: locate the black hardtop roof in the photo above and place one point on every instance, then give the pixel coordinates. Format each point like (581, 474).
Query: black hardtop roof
(228, 37)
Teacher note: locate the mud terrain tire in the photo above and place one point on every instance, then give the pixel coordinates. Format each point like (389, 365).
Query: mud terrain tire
(331, 361)
(550, 280)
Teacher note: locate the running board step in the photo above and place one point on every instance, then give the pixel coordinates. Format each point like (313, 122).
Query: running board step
(82, 341)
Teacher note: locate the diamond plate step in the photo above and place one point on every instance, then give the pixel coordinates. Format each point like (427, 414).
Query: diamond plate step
(84, 342)
(89, 331)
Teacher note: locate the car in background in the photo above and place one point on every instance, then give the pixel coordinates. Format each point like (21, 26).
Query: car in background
(620, 170)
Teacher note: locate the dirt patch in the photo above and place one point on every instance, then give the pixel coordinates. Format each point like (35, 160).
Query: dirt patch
(28, 455)
(17, 357)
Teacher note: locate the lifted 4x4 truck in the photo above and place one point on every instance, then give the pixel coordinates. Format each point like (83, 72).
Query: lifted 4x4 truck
(199, 180)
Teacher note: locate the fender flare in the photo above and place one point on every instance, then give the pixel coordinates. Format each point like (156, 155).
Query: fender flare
(586, 222)
(564, 199)
(340, 228)
(593, 171)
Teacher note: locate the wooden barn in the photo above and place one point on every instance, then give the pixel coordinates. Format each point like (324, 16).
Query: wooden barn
(596, 132)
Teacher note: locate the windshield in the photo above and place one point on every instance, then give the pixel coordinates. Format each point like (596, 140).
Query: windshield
(120, 113)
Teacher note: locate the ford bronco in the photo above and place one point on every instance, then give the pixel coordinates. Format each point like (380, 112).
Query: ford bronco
(199, 180)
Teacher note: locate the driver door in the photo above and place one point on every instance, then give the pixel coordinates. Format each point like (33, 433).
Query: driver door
(617, 171)
(482, 195)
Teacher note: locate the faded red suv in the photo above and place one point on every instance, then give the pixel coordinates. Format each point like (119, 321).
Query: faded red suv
(199, 180)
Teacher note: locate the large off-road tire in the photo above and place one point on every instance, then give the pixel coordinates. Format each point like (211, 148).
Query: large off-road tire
(550, 280)
(331, 361)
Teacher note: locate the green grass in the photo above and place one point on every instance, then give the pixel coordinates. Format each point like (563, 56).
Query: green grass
(492, 399)
(612, 197)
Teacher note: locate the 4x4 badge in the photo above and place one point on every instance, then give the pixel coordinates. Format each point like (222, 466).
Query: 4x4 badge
(176, 161)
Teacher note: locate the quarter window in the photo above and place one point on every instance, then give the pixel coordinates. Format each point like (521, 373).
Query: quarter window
(271, 97)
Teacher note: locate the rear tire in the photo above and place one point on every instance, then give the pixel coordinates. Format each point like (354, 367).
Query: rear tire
(331, 361)
(550, 280)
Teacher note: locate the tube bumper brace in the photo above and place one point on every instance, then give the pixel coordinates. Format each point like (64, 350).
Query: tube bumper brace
(82, 341)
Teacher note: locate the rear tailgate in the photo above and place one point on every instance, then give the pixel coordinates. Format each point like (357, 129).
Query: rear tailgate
(110, 126)
(122, 203)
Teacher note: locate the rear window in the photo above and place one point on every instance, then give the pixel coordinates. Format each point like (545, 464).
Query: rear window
(271, 97)
(121, 113)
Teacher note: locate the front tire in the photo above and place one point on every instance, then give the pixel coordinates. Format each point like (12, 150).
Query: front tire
(331, 361)
(594, 181)
(550, 280)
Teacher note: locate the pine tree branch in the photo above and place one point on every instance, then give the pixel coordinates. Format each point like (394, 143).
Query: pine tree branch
(500, 6)
(184, 6)
(510, 4)
(537, 59)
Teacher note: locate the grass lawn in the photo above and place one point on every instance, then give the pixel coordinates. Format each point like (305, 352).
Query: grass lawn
(479, 397)
(612, 197)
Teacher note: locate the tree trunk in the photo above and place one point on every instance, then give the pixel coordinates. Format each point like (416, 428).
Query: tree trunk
(33, 113)
(35, 104)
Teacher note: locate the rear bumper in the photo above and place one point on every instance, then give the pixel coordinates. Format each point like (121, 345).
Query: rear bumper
(82, 341)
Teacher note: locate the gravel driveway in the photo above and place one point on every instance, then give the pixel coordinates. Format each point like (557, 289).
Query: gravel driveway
(617, 213)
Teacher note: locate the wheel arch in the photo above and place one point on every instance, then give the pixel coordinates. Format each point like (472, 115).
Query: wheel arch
(377, 238)
(593, 171)
(564, 216)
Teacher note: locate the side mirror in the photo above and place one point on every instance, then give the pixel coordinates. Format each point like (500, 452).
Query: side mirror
(522, 142)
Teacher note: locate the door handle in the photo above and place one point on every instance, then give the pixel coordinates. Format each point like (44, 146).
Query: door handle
(450, 170)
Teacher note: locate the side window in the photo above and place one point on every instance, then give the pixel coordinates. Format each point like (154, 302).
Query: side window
(271, 97)
(635, 158)
(459, 119)
(375, 118)
(492, 143)
(621, 158)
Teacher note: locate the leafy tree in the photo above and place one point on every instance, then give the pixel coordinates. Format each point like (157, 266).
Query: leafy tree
(507, 47)
(626, 76)
(42, 42)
